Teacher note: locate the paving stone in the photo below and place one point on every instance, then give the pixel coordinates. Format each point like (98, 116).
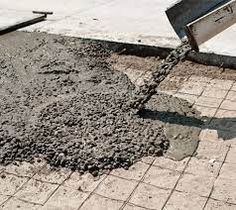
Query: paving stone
(24, 168)
(206, 111)
(15, 204)
(219, 205)
(133, 207)
(222, 84)
(234, 87)
(3, 198)
(116, 188)
(96, 202)
(224, 189)
(227, 124)
(53, 176)
(209, 135)
(160, 177)
(191, 87)
(85, 182)
(225, 114)
(228, 171)
(135, 172)
(185, 201)
(148, 160)
(231, 156)
(148, 196)
(200, 79)
(36, 191)
(10, 183)
(203, 167)
(229, 105)
(190, 98)
(212, 150)
(65, 198)
(231, 96)
(171, 164)
(209, 102)
(197, 184)
(214, 92)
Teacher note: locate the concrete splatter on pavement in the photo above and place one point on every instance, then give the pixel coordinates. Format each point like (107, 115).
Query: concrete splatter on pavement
(61, 100)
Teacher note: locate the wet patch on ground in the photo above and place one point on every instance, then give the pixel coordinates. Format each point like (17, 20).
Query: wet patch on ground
(61, 100)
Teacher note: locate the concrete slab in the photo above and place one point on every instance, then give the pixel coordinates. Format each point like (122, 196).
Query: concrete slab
(139, 22)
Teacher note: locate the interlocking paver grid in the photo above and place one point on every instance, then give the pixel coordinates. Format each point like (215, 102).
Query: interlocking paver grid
(205, 180)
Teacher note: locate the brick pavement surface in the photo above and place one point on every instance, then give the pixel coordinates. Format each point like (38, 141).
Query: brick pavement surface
(205, 181)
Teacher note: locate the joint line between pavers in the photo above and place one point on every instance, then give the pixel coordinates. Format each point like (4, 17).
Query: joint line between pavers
(234, 204)
(59, 185)
(140, 181)
(208, 198)
(93, 192)
(180, 177)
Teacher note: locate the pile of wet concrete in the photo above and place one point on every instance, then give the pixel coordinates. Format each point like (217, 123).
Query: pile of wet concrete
(61, 100)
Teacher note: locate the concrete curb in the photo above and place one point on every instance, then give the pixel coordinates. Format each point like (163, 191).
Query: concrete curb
(212, 59)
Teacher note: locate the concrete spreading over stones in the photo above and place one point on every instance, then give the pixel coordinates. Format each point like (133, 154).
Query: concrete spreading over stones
(61, 100)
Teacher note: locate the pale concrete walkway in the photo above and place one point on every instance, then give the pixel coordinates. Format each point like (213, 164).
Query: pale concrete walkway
(139, 22)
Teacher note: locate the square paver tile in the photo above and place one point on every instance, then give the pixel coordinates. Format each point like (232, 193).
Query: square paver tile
(3, 198)
(206, 111)
(229, 105)
(160, 177)
(234, 87)
(185, 201)
(222, 84)
(208, 102)
(225, 114)
(231, 96)
(228, 171)
(167, 163)
(226, 124)
(148, 196)
(214, 92)
(52, 176)
(209, 135)
(96, 202)
(10, 183)
(219, 205)
(135, 172)
(192, 87)
(190, 98)
(231, 156)
(36, 191)
(200, 79)
(116, 188)
(148, 160)
(203, 167)
(15, 204)
(212, 150)
(196, 184)
(25, 168)
(65, 198)
(85, 182)
(224, 190)
(133, 207)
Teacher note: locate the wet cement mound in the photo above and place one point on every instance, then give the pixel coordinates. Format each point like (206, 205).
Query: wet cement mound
(61, 100)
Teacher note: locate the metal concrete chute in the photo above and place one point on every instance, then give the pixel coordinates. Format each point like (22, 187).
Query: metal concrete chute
(200, 20)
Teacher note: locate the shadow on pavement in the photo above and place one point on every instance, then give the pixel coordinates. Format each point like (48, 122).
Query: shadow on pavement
(226, 127)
